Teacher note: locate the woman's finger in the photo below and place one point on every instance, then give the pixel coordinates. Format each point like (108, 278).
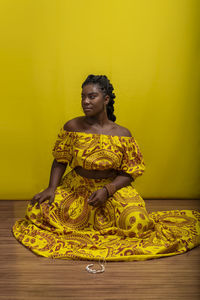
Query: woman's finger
(51, 200)
(95, 200)
(38, 204)
(35, 199)
(91, 197)
(42, 199)
(37, 196)
(96, 203)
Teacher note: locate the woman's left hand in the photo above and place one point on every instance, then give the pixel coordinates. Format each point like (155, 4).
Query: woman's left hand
(98, 198)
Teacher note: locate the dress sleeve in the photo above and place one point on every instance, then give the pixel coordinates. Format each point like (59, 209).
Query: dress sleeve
(132, 160)
(62, 150)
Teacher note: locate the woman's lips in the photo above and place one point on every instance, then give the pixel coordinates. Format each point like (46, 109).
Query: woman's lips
(87, 108)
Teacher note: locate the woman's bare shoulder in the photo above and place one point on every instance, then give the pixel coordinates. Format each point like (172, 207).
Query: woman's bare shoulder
(77, 124)
(73, 124)
(123, 131)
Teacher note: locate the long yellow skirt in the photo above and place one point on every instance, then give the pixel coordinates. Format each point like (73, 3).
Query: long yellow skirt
(122, 230)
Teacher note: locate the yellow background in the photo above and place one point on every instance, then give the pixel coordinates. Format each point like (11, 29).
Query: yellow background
(150, 52)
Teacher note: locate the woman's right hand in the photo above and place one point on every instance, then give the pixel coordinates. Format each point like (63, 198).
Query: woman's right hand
(47, 194)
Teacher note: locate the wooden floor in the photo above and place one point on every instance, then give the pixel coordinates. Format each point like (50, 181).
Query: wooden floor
(25, 276)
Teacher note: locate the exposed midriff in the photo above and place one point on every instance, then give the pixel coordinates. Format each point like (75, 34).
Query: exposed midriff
(95, 174)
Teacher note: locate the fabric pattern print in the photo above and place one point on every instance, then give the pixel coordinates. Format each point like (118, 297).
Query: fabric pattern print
(120, 230)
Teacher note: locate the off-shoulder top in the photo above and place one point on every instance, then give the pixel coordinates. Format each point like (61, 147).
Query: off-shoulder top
(94, 151)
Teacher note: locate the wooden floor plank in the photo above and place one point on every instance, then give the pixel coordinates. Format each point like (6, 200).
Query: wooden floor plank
(25, 276)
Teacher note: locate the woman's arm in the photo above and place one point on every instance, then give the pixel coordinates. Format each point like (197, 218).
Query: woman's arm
(57, 171)
(123, 179)
(99, 197)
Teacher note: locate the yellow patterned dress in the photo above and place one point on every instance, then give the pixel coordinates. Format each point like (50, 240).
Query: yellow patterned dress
(121, 230)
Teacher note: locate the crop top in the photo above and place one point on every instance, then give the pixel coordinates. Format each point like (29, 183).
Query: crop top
(94, 151)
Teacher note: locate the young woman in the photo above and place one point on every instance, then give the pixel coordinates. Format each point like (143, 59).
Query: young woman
(94, 212)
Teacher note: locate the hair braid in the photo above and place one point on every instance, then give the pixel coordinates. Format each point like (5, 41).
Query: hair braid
(107, 89)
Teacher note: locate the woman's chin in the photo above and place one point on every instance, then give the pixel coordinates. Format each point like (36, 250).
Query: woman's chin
(88, 112)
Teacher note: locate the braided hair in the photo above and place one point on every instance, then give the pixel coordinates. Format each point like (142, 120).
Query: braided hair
(107, 89)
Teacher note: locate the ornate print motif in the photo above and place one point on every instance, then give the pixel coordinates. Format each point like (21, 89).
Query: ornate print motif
(120, 230)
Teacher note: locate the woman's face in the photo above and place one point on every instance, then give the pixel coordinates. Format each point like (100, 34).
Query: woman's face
(93, 100)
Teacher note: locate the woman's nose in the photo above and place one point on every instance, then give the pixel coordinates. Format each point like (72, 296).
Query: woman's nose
(86, 100)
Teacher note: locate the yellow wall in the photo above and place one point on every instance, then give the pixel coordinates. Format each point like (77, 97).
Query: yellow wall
(149, 50)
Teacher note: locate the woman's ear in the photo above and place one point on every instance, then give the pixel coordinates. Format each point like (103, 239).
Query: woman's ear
(107, 99)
